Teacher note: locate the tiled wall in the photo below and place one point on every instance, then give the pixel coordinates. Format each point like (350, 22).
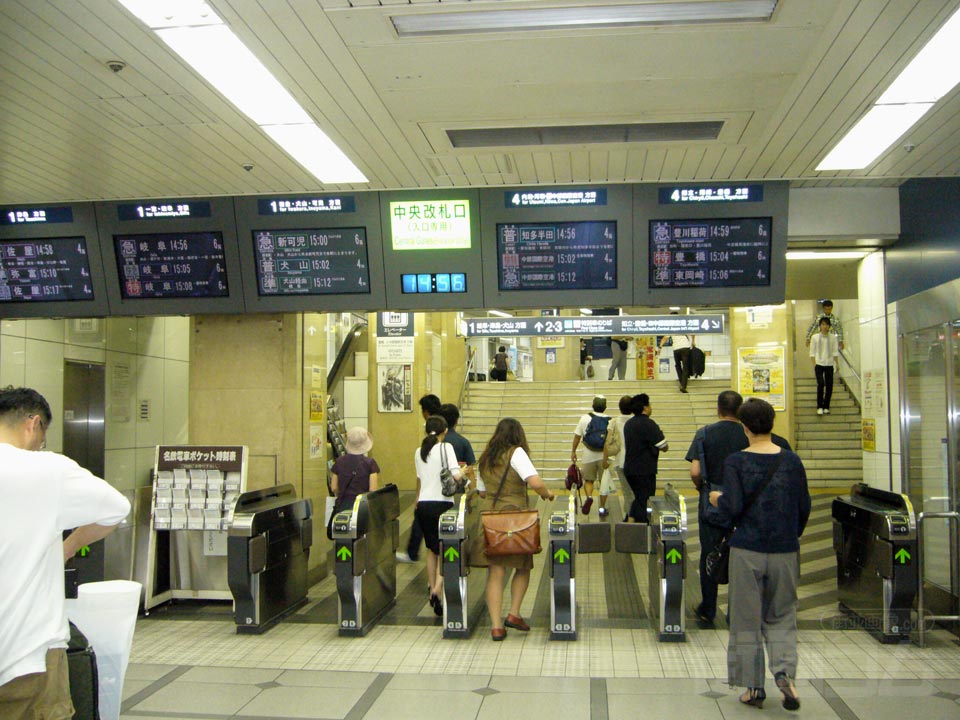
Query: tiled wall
(146, 361)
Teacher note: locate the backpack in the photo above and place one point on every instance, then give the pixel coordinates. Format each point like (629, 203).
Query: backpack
(596, 433)
(613, 442)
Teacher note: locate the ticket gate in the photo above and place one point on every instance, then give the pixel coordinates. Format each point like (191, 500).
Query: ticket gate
(566, 541)
(454, 568)
(664, 538)
(267, 551)
(365, 540)
(875, 538)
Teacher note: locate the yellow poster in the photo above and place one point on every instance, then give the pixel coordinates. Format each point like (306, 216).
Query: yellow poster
(868, 433)
(316, 406)
(761, 373)
(550, 341)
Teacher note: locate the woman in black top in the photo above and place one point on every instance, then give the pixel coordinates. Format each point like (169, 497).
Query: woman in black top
(769, 518)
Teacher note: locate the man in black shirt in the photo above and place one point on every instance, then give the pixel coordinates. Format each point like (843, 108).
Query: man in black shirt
(643, 441)
(461, 446)
(710, 447)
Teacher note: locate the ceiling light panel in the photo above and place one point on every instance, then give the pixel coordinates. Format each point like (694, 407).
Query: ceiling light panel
(873, 134)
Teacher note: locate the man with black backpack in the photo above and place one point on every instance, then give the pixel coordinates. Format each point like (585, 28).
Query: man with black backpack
(592, 430)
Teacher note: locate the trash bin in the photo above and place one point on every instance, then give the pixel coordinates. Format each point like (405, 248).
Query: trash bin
(106, 613)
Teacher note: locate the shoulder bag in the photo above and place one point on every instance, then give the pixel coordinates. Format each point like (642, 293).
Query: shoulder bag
(510, 532)
(449, 485)
(717, 561)
(613, 438)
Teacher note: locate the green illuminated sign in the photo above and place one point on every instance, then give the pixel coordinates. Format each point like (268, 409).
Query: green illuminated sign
(344, 554)
(561, 556)
(451, 554)
(903, 556)
(430, 224)
(674, 555)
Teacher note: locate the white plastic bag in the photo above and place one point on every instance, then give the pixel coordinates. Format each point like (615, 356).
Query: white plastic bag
(106, 612)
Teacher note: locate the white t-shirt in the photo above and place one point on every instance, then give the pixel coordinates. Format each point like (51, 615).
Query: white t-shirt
(520, 462)
(589, 455)
(616, 425)
(824, 348)
(41, 495)
(679, 342)
(429, 472)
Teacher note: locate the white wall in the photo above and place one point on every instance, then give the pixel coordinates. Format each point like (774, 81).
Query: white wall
(146, 362)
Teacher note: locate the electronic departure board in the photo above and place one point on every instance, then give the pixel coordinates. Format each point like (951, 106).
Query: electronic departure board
(171, 265)
(45, 270)
(321, 261)
(557, 255)
(716, 252)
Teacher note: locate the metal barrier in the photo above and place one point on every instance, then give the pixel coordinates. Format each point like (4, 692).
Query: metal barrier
(267, 551)
(453, 559)
(365, 539)
(875, 539)
(950, 517)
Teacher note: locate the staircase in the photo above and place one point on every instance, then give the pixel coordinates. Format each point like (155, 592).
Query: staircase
(549, 412)
(828, 444)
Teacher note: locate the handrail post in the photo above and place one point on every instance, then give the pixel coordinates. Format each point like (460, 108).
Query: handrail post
(950, 517)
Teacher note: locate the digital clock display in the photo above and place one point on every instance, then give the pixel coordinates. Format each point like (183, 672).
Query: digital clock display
(164, 209)
(36, 216)
(557, 255)
(44, 270)
(171, 265)
(722, 252)
(325, 261)
(306, 206)
(433, 283)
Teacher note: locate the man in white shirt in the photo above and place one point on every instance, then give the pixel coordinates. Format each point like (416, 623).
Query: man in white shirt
(681, 355)
(589, 430)
(42, 494)
(824, 349)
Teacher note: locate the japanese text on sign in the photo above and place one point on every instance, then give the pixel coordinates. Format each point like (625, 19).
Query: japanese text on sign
(430, 224)
(602, 325)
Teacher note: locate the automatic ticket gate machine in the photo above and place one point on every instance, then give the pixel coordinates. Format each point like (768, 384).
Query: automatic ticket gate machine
(365, 540)
(454, 568)
(267, 551)
(875, 538)
(566, 541)
(664, 538)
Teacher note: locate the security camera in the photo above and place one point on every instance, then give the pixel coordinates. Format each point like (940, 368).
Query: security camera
(247, 166)
(909, 147)
(116, 65)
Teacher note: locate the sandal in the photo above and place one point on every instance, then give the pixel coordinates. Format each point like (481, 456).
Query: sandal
(791, 701)
(754, 697)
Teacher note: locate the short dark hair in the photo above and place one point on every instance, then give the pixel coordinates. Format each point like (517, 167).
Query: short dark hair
(625, 404)
(757, 416)
(728, 402)
(826, 303)
(430, 404)
(17, 404)
(599, 403)
(639, 402)
(450, 413)
(502, 349)
(825, 320)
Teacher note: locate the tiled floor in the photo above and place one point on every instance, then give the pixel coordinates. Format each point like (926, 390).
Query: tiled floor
(189, 663)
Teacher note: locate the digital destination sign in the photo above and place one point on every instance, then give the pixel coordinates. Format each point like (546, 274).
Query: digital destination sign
(719, 252)
(171, 265)
(164, 209)
(557, 255)
(36, 216)
(44, 270)
(311, 262)
(430, 224)
(419, 283)
(306, 205)
(555, 198)
(710, 194)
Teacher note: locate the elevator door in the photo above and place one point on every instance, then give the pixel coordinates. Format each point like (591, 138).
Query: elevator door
(84, 392)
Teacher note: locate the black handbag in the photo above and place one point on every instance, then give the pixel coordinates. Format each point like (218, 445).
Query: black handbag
(717, 562)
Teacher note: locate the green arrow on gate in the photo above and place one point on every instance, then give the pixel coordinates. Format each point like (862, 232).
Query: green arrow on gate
(451, 554)
(84, 551)
(561, 556)
(344, 554)
(903, 556)
(674, 555)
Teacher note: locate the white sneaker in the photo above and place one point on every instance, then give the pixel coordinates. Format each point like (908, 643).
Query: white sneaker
(403, 557)
(826, 411)
(819, 412)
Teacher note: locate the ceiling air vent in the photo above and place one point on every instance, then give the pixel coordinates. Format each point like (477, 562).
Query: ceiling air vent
(585, 134)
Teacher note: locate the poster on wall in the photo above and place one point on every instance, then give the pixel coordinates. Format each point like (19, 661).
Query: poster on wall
(760, 374)
(868, 434)
(874, 391)
(550, 341)
(318, 437)
(396, 388)
(316, 406)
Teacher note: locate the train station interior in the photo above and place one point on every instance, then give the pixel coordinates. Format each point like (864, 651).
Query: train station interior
(212, 287)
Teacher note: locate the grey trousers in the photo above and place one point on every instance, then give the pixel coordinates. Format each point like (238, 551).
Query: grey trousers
(618, 364)
(763, 610)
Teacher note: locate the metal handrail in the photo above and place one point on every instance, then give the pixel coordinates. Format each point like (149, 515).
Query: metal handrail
(921, 620)
(471, 367)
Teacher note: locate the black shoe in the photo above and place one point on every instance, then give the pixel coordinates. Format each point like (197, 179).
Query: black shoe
(703, 620)
(437, 604)
(791, 701)
(754, 697)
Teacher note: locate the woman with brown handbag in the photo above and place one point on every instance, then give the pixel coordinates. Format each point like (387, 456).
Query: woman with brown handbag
(507, 473)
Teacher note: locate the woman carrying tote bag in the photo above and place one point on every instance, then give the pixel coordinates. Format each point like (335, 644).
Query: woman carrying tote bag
(507, 473)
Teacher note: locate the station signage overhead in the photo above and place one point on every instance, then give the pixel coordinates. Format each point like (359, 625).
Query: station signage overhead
(696, 195)
(555, 198)
(164, 209)
(596, 326)
(306, 205)
(36, 215)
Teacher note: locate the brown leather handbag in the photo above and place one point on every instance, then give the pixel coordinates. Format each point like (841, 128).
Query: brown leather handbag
(510, 532)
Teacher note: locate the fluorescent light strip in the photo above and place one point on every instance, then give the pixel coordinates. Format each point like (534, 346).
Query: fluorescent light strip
(827, 254)
(198, 35)
(499, 313)
(933, 73)
(525, 19)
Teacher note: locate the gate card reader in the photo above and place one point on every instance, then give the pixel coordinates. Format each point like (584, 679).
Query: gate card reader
(365, 540)
(563, 586)
(453, 563)
(267, 551)
(875, 539)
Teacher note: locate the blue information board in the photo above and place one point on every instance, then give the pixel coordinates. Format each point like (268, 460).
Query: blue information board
(557, 255)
